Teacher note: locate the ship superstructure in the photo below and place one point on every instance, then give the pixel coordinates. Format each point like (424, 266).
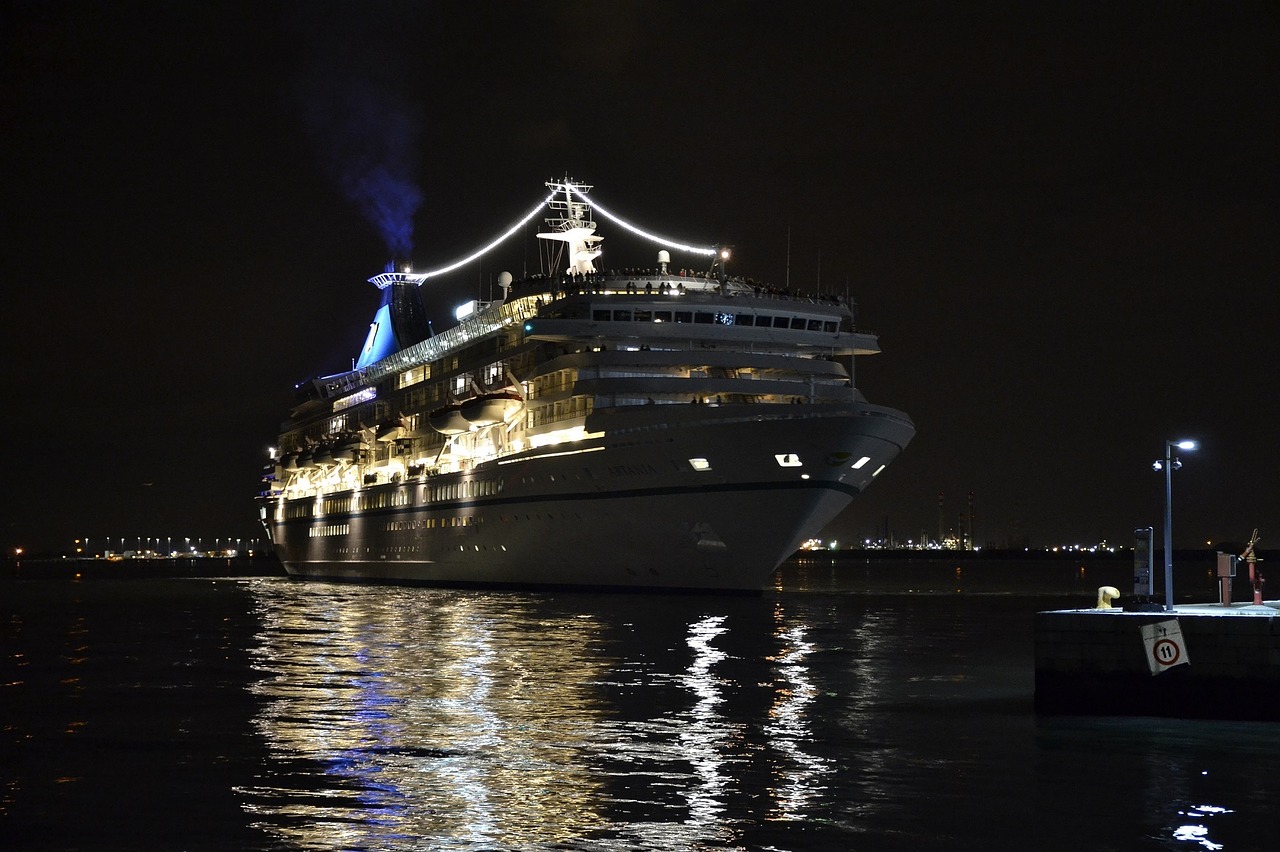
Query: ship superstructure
(650, 427)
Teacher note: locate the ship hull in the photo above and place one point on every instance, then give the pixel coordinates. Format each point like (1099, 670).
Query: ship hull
(665, 497)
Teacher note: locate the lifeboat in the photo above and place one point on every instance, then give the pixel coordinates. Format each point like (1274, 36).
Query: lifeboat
(306, 460)
(448, 419)
(323, 456)
(290, 462)
(489, 409)
(392, 431)
(348, 449)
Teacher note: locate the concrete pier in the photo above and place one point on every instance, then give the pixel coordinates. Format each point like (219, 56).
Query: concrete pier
(1194, 661)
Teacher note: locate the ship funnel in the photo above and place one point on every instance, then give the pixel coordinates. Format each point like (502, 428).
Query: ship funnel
(401, 319)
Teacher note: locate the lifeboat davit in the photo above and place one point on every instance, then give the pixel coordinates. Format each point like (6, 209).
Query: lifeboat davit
(448, 420)
(489, 409)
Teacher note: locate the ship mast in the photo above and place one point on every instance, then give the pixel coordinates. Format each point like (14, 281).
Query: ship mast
(573, 226)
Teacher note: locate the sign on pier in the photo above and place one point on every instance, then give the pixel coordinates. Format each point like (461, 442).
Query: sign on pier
(1165, 648)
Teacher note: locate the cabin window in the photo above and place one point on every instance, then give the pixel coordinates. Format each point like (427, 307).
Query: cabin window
(662, 316)
(797, 322)
(415, 375)
(704, 317)
(622, 316)
(781, 322)
(601, 316)
(830, 326)
(643, 316)
(745, 319)
(815, 325)
(684, 316)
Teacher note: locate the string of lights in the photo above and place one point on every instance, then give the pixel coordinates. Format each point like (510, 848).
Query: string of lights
(499, 240)
(490, 247)
(662, 241)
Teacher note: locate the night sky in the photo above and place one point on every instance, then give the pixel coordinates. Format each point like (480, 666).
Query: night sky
(1060, 218)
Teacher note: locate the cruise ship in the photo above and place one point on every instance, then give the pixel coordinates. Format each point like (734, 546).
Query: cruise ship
(666, 427)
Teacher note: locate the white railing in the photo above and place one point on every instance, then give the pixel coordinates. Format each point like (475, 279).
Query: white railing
(435, 347)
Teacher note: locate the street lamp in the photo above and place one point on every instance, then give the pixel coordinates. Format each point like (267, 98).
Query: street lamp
(1169, 465)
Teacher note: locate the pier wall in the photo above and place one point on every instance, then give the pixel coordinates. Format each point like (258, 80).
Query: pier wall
(1221, 662)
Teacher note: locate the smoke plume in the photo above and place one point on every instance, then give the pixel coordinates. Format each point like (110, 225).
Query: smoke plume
(367, 138)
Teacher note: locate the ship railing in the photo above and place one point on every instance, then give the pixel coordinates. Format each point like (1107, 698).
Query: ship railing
(433, 348)
(633, 282)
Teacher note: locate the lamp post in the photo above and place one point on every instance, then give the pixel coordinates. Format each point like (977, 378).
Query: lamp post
(1170, 463)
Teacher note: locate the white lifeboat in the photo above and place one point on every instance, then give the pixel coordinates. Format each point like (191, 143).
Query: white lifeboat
(448, 420)
(489, 409)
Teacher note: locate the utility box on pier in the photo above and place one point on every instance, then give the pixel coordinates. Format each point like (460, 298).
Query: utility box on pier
(1227, 563)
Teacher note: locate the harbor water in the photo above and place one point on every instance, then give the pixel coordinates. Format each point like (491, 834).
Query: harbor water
(879, 705)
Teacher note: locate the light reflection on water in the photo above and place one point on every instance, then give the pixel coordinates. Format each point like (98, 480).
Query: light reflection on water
(430, 713)
(812, 717)
(788, 727)
(837, 711)
(393, 715)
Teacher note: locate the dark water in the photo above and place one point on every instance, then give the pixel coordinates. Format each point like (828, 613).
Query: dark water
(883, 706)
